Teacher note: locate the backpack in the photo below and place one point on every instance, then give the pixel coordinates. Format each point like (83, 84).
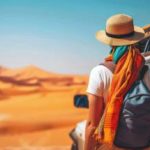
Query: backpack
(134, 123)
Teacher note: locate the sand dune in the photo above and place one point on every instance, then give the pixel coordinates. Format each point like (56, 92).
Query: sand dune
(35, 78)
(25, 72)
(36, 107)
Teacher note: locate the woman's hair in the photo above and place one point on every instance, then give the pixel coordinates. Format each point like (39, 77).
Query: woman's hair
(112, 49)
(142, 44)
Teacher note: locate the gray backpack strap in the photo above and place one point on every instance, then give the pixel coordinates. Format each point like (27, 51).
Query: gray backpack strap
(143, 71)
(110, 65)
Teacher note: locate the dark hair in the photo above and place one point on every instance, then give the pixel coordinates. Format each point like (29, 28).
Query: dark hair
(142, 45)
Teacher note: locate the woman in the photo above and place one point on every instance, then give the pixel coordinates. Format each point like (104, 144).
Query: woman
(121, 68)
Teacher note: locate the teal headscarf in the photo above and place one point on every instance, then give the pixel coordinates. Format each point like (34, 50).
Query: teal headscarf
(119, 52)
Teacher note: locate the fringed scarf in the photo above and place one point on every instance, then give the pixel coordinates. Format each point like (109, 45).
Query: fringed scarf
(129, 63)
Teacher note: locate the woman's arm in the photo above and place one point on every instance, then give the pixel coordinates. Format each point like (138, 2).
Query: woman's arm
(96, 107)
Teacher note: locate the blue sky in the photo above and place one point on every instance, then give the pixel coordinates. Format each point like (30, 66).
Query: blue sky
(59, 35)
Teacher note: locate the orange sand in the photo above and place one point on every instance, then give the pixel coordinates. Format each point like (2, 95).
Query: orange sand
(38, 115)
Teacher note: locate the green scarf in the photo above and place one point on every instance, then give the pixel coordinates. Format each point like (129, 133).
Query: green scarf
(118, 53)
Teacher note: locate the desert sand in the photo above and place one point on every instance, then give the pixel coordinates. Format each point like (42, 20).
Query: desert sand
(36, 108)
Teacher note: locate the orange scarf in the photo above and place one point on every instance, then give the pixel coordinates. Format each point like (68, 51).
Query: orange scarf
(126, 73)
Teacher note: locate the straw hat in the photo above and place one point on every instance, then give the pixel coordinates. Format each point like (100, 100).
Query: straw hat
(120, 30)
(147, 30)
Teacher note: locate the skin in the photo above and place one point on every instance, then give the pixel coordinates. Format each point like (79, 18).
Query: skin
(96, 107)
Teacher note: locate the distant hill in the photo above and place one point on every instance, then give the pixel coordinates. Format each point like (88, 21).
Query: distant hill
(32, 78)
(26, 72)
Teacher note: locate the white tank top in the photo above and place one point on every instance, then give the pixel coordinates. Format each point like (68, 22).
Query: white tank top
(100, 79)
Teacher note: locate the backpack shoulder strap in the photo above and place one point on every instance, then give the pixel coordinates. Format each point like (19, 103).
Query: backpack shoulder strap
(143, 71)
(110, 65)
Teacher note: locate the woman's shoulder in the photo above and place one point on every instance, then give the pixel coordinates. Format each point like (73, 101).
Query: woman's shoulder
(100, 69)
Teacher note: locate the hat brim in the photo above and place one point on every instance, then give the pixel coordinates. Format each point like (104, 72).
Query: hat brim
(138, 35)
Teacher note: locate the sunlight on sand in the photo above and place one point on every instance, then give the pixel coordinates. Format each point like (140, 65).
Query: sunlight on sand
(36, 109)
